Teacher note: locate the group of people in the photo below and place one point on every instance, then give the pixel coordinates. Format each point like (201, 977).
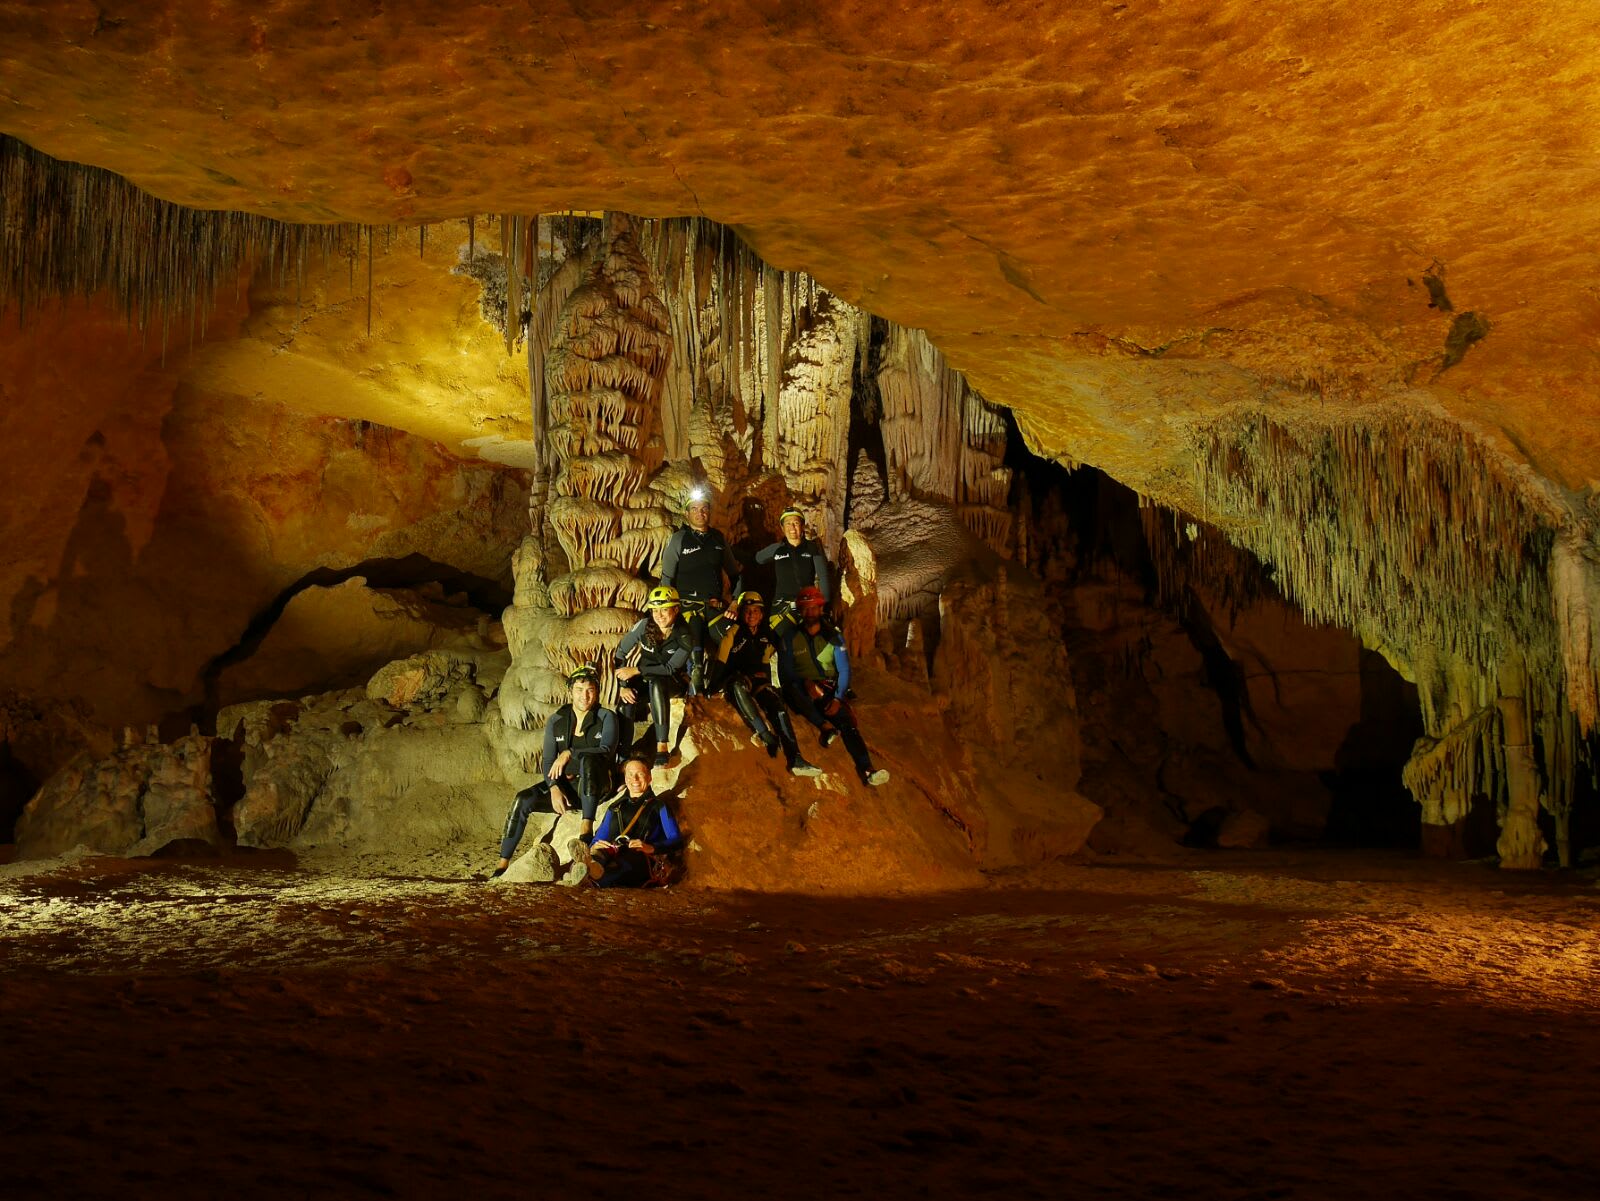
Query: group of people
(690, 643)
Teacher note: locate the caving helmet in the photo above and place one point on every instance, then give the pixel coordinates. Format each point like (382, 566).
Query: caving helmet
(791, 511)
(747, 597)
(581, 675)
(663, 597)
(700, 494)
(810, 602)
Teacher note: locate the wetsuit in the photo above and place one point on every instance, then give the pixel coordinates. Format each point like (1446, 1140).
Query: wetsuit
(815, 672)
(742, 669)
(625, 868)
(794, 567)
(582, 782)
(661, 665)
(694, 562)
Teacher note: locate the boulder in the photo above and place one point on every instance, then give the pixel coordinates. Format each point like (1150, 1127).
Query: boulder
(134, 802)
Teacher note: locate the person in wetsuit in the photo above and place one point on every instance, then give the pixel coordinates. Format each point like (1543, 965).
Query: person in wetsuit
(637, 827)
(797, 562)
(695, 560)
(742, 649)
(650, 664)
(815, 672)
(580, 745)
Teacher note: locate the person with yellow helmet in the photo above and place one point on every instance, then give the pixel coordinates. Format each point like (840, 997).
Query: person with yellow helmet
(796, 561)
(650, 664)
(694, 561)
(580, 743)
(815, 672)
(742, 649)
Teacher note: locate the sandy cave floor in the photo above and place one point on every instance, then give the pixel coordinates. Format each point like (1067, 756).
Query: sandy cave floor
(1281, 1025)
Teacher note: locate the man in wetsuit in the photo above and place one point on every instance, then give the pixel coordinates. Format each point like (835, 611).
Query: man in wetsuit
(742, 649)
(650, 665)
(815, 672)
(797, 562)
(694, 562)
(580, 744)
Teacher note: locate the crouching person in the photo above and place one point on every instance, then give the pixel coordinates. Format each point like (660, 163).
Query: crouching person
(815, 672)
(743, 647)
(636, 831)
(580, 744)
(651, 665)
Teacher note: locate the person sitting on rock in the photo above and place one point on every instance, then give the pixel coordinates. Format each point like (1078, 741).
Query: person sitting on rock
(742, 649)
(580, 744)
(636, 829)
(649, 664)
(695, 560)
(815, 672)
(797, 562)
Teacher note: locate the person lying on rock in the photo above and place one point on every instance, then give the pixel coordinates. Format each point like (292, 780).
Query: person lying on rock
(650, 664)
(580, 743)
(815, 673)
(695, 562)
(743, 646)
(635, 830)
(797, 562)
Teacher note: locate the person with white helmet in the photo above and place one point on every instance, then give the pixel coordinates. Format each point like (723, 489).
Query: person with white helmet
(796, 561)
(650, 664)
(742, 649)
(815, 671)
(695, 561)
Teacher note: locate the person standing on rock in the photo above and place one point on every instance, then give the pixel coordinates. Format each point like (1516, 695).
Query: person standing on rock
(695, 562)
(815, 673)
(797, 562)
(635, 830)
(742, 649)
(580, 744)
(649, 664)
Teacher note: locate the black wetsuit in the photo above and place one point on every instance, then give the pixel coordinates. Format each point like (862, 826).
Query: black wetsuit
(661, 665)
(742, 669)
(584, 780)
(694, 562)
(793, 567)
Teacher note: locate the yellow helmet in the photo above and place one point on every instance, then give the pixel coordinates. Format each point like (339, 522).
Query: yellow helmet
(748, 597)
(662, 597)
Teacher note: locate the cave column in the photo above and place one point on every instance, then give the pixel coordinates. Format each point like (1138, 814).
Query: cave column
(1521, 845)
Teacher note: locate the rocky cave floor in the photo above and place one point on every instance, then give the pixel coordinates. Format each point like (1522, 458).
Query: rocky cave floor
(1276, 1024)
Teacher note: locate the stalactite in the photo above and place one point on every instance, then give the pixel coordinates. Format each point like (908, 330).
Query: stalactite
(71, 230)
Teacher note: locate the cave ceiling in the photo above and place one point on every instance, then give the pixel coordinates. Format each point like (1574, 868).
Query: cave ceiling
(1122, 220)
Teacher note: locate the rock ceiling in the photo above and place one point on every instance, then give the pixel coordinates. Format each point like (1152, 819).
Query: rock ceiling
(1119, 219)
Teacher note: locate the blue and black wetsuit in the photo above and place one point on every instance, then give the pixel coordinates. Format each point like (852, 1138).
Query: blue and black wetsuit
(582, 783)
(647, 819)
(661, 660)
(815, 672)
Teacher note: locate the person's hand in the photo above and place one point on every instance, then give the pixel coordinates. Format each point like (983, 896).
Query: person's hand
(625, 673)
(626, 696)
(601, 844)
(559, 766)
(642, 847)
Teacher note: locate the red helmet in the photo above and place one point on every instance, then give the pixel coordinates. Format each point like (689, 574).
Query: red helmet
(810, 603)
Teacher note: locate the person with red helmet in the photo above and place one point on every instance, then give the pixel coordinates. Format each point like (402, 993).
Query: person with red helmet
(815, 671)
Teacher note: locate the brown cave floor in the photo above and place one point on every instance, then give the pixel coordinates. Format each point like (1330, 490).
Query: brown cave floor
(1279, 1025)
